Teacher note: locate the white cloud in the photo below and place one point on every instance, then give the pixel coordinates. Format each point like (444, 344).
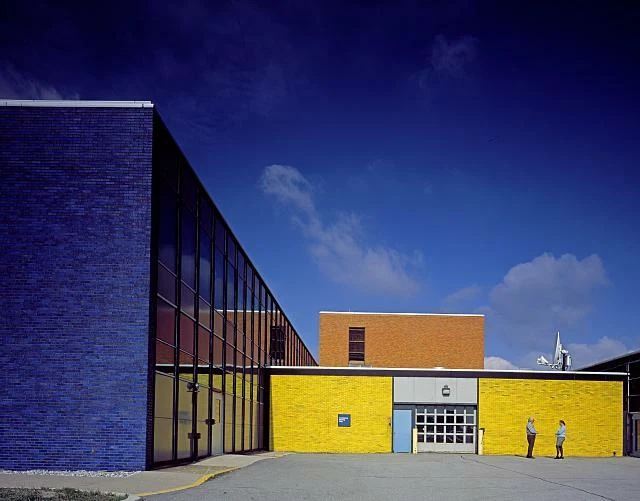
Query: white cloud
(588, 354)
(450, 58)
(498, 363)
(339, 248)
(15, 85)
(462, 297)
(536, 298)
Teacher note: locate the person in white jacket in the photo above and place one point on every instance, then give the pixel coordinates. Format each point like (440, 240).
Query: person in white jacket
(560, 436)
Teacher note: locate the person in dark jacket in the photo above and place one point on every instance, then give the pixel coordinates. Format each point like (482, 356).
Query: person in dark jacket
(531, 436)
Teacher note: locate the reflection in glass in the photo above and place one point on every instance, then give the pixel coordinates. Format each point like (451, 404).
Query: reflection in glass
(187, 327)
(188, 269)
(167, 228)
(188, 300)
(166, 283)
(165, 322)
(204, 286)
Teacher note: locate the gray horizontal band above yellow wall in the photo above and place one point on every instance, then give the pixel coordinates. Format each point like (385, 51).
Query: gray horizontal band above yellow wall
(450, 373)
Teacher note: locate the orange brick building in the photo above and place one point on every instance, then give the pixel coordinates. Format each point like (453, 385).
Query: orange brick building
(416, 340)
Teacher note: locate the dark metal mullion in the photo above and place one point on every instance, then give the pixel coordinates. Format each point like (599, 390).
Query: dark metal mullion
(212, 309)
(195, 369)
(253, 314)
(176, 323)
(243, 292)
(225, 278)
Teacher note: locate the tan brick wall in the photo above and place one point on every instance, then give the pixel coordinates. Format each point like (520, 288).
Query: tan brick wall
(454, 342)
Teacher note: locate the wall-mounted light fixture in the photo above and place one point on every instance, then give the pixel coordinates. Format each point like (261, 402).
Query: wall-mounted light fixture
(446, 391)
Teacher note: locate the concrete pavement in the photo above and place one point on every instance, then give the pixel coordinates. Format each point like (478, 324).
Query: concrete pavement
(445, 477)
(142, 483)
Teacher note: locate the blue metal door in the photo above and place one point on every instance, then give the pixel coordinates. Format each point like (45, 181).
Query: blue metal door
(402, 430)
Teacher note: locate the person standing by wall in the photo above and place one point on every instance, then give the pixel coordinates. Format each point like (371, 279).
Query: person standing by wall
(560, 436)
(531, 436)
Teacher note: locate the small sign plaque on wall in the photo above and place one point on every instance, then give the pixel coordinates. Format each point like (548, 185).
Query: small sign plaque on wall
(344, 420)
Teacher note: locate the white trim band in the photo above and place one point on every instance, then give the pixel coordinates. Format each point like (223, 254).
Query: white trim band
(404, 314)
(70, 103)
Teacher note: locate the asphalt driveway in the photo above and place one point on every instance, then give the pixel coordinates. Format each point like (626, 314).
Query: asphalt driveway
(423, 476)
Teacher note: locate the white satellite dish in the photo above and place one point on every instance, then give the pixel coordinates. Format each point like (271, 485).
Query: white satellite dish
(561, 357)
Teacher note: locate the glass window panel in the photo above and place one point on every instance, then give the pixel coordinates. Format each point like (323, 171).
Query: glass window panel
(356, 334)
(449, 429)
(188, 270)
(167, 214)
(238, 424)
(188, 300)
(219, 281)
(420, 428)
(231, 288)
(250, 276)
(165, 322)
(218, 324)
(468, 439)
(187, 327)
(187, 362)
(430, 429)
(430, 438)
(470, 419)
(228, 422)
(230, 332)
(459, 439)
(241, 266)
(449, 439)
(439, 439)
(204, 285)
(459, 419)
(204, 345)
(240, 296)
(247, 425)
(460, 429)
(419, 418)
(254, 425)
(166, 284)
(206, 215)
(204, 313)
(231, 250)
(220, 234)
(162, 439)
(439, 429)
(184, 442)
(439, 418)
(163, 405)
(188, 185)
(230, 357)
(430, 419)
(218, 346)
(165, 153)
(165, 355)
(470, 429)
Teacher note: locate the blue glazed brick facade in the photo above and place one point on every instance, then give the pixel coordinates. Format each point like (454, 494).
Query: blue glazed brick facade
(75, 215)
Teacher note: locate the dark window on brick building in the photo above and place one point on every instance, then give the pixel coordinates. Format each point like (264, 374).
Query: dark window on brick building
(356, 344)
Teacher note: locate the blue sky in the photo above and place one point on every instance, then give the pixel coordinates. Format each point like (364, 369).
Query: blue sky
(391, 156)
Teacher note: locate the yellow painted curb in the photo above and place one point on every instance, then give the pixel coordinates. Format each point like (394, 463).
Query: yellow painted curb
(198, 482)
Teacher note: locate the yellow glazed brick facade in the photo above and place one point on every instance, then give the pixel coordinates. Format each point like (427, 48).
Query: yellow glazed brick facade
(304, 413)
(591, 409)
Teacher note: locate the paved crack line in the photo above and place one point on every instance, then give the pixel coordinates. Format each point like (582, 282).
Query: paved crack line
(538, 478)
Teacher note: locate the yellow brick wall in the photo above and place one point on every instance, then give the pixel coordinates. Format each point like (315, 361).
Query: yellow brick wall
(304, 413)
(591, 409)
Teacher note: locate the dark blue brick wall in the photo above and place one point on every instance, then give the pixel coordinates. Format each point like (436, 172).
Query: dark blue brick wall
(75, 221)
